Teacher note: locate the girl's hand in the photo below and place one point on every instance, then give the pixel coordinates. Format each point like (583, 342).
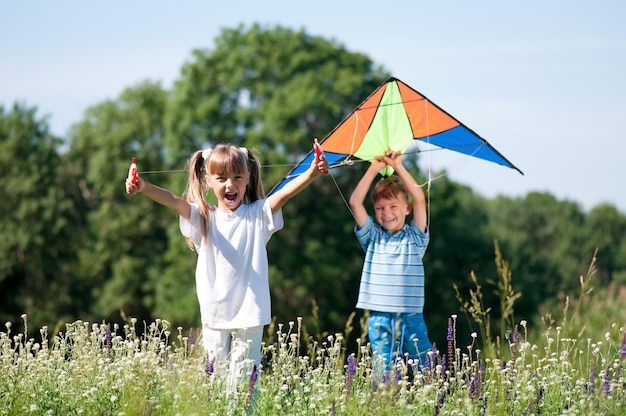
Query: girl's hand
(320, 159)
(133, 188)
(322, 164)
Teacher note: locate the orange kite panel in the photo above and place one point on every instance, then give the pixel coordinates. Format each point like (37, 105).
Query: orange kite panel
(426, 119)
(347, 137)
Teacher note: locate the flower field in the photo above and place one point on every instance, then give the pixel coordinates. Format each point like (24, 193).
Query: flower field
(104, 369)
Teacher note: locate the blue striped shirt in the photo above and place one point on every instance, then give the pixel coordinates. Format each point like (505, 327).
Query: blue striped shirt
(393, 272)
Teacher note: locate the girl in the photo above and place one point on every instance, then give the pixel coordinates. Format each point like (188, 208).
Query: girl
(230, 239)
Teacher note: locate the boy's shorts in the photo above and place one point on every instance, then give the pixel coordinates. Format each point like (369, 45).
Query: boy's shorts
(392, 335)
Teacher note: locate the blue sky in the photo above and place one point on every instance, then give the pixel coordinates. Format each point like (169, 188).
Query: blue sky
(542, 81)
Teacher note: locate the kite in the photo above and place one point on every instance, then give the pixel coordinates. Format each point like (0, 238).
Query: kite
(393, 117)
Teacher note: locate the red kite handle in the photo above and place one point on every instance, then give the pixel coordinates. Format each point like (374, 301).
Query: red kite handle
(132, 172)
(319, 152)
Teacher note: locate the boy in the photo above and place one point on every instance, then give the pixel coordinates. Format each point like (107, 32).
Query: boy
(392, 282)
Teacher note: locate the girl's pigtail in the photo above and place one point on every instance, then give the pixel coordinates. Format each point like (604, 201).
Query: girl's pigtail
(254, 191)
(196, 189)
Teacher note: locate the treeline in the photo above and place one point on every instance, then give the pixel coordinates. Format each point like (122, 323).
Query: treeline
(75, 246)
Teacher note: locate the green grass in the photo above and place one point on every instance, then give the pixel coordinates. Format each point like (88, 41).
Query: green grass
(95, 369)
(570, 363)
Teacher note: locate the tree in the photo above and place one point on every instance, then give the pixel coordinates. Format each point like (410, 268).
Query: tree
(459, 245)
(274, 90)
(542, 237)
(604, 229)
(124, 239)
(36, 222)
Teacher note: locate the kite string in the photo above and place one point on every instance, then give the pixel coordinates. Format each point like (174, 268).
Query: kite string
(343, 198)
(149, 172)
(356, 128)
(429, 166)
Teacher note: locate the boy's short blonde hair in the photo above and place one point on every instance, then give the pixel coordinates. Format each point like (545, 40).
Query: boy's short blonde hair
(390, 187)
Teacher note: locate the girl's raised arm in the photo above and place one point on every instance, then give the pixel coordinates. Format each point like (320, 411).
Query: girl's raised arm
(318, 167)
(160, 195)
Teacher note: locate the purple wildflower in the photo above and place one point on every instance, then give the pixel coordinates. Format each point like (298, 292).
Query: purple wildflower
(435, 350)
(622, 350)
(190, 339)
(514, 347)
(351, 365)
(333, 409)
(440, 401)
(398, 374)
(430, 363)
(450, 336)
(592, 377)
(350, 374)
(385, 379)
(473, 386)
(606, 384)
(108, 338)
(476, 379)
(450, 339)
(253, 377)
(210, 366)
(539, 395)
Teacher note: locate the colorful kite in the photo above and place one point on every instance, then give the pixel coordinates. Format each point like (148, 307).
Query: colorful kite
(392, 117)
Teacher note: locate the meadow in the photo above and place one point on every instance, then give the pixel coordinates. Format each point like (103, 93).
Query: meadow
(570, 364)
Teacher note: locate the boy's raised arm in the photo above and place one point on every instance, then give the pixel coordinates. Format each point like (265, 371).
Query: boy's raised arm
(359, 194)
(394, 159)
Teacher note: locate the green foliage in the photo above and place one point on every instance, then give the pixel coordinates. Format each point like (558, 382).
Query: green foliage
(604, 230)
(269, 89)
(544, 238)
(479, 314)
(37, 221)
(593, 314)
(460, 244)
(123, 238)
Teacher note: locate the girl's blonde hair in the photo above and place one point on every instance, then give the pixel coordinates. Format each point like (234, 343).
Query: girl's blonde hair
(223, 158)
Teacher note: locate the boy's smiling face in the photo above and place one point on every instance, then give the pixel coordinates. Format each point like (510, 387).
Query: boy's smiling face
(391, 213)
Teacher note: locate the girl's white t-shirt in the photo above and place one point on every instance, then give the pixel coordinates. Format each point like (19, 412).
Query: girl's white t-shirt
(232, 279)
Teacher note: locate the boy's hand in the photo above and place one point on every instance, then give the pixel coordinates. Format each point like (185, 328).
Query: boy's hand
(378, 163)
(393, 158)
